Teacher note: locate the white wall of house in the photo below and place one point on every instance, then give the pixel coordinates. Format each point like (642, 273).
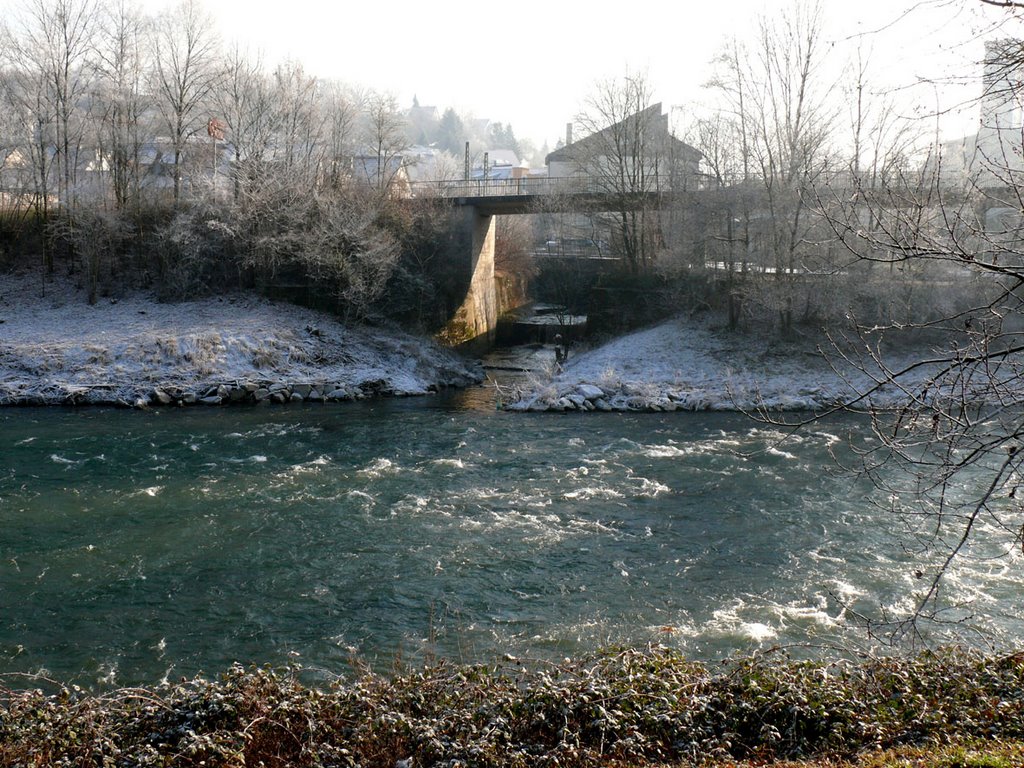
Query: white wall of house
(994, 156)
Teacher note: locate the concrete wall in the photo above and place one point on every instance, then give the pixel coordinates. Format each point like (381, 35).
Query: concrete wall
(512, 290)
(562, 169)
(474, 323)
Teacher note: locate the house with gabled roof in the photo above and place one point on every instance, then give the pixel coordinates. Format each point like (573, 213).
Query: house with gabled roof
(646, 131)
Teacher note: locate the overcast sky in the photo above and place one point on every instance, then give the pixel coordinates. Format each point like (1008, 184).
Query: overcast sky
(533, 62)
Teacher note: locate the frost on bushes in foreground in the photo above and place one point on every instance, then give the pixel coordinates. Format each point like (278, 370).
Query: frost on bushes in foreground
(637, 707)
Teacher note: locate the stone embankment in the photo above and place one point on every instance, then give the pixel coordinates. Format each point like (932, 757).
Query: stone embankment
(620, 398)
(267, 392)
(632, 397)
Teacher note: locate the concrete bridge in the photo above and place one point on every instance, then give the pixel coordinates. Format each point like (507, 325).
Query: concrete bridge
(481, 200)
(572, 194)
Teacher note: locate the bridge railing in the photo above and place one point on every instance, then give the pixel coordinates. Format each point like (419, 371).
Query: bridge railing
(558, 185)
(504, 187)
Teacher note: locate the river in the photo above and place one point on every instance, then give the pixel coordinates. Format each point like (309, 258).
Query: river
(139, 545)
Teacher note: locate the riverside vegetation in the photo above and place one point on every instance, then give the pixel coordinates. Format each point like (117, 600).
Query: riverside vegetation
(295, 224)
(616, 708)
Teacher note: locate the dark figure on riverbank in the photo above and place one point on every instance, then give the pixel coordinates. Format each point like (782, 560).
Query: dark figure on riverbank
(561, 350)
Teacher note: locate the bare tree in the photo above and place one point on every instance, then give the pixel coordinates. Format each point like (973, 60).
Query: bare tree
(725, 140)
(623, 153)
(385, 136)
(123, 60)
(246, 104)
(919, 265)
(885, 140)
(784, 127)
(58, 33)
(46, 54)
(340, 108)
(513, 246)
(448, 167)
(10, 127)
(883, 164)
(948, 457)
(22, 206)
(792, 128)
(186, 73)
(299, 121)
(31, 131)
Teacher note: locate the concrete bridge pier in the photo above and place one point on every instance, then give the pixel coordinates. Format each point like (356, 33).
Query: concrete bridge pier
(475, 321)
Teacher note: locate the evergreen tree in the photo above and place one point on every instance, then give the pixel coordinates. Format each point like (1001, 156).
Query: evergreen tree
(502, 136)
(451, 133)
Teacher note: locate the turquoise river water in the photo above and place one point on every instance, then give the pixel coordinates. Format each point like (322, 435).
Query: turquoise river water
(135, 545)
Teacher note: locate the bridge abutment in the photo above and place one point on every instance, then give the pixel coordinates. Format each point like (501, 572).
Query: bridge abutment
(476, 320)
(473, 325)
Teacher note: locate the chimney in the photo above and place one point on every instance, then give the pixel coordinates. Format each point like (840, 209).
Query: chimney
(467, 168)
(568, 134)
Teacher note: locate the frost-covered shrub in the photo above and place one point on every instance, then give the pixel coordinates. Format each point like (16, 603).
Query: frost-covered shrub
(623, 707)
(609, 379)
(336, 247)
(197, 253)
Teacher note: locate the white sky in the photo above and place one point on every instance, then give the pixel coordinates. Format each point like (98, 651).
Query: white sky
(532, 63)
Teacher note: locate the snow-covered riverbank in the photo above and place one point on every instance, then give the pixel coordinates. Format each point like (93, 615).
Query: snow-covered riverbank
(133, 350)
(692, 363)
(55, 348)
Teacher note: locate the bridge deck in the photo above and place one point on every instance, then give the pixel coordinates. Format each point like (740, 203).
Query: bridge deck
(535, 195)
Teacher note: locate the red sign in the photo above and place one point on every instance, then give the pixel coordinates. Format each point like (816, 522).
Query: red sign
(215, 128)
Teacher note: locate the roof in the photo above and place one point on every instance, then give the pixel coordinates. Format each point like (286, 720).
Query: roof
(500, 172)
(595, 142)
(428, 113)
(502, 157)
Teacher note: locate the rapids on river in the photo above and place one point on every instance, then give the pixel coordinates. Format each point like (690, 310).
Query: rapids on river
(137, 545)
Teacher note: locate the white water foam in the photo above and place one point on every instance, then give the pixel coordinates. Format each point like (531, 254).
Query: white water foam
(667, 451)
(651, 488)
(454, 463)
(593, 492)
(257, 459)
(152, 491)
(756, 631)
(379, 467)
(305, 468)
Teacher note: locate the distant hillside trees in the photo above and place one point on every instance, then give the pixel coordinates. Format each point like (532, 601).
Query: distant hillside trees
(451, 131)
(501, 136)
